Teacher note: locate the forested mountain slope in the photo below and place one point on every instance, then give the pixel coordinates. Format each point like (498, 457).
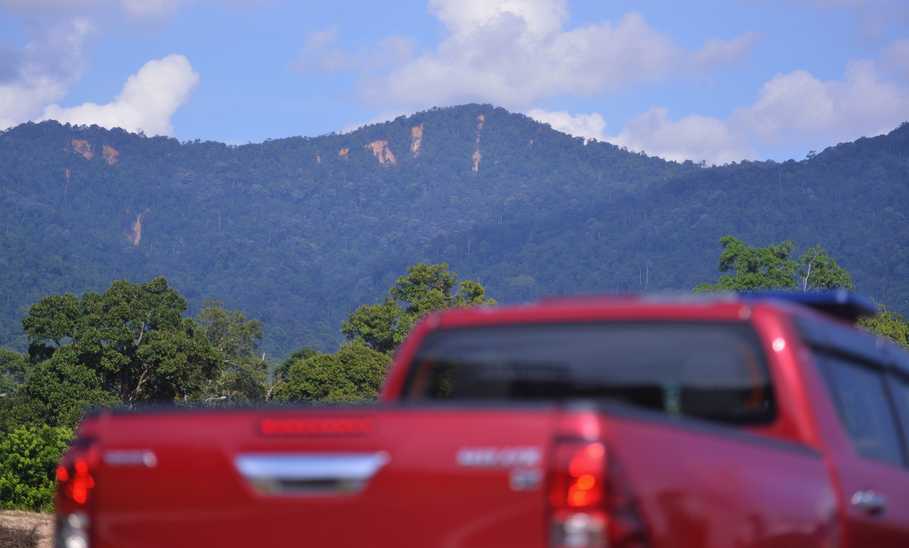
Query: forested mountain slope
(299, 231)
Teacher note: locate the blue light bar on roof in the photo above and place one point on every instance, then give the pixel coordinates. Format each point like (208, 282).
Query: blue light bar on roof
(838, 303)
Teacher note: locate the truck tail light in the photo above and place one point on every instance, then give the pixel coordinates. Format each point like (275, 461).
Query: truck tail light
(590, 503)
(75, 489)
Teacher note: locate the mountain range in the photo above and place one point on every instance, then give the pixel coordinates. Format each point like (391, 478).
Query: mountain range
(297, 232)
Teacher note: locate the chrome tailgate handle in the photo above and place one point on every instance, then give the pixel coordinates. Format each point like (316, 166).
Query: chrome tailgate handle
(309, 473)
(871, 502)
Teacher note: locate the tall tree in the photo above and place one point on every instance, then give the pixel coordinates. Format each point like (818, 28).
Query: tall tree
(229, 331)
(132, 336)
(244, 374)
(58, 391)
(354, 373)
(748, 268)
(818, 270)
(12, 371)
(888, 324)
(772, 267)
(425, 288)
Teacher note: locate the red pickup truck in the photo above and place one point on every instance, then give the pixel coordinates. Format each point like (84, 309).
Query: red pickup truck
(723, 422)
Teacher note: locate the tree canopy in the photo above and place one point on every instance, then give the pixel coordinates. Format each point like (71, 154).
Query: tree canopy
(748, 268)
(424, 289)
(354, 373)
(132, 337)
(888, 324)
(243, 376)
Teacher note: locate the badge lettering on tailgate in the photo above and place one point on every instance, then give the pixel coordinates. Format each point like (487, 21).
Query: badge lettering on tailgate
(523, 463)
(498, 457)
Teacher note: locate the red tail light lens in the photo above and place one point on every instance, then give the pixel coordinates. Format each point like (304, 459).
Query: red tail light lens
(589, 498)
(76, 481)
(75, 484)
(577, 481)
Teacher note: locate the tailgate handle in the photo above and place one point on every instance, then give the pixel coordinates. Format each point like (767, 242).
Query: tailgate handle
(308, 473)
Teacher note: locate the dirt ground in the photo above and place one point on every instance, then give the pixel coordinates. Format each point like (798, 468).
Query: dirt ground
(25, 521)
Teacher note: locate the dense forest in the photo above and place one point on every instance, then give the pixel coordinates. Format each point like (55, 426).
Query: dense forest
(298, 232)
(135, 344)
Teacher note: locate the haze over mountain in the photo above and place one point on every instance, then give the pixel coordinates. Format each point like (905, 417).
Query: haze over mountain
(297, 232)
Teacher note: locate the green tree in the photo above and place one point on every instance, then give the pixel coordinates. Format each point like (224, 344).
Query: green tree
(244, 374)
(283, 369)
(425, 288)
(132, 336)
(749, 268)
(354, 373)
(12, 371)
(28, 457)
(58, 391)
(888, 324)
(817, 270)
(772, 268)
(229, 331)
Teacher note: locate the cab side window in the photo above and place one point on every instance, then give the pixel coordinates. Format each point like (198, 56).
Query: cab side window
(860, 394)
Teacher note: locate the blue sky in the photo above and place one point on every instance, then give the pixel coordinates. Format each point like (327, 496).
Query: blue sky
(719, 80)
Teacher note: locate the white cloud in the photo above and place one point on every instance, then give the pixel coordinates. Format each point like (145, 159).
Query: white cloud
(690, 138)
(720, 52)
(797, 106)
(589, 126)
(35, 78)
(514, 53)
(46, 67)
(463, 17)
(147, 102)
(791, 109)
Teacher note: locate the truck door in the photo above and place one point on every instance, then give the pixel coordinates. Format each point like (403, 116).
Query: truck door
(872, 464)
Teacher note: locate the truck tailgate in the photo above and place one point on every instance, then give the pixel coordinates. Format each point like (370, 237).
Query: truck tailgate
(401, 477)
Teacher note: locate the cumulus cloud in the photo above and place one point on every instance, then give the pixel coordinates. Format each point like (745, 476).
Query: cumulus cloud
(146, 103)
(463, 17)
(719, 52)
(514, 53)
(699, 138)
(589, 126)
(34, 79)
(42, 71)
(791, 109)
(797, 105)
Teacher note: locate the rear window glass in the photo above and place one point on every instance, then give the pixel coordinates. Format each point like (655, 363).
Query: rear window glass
(713, 371)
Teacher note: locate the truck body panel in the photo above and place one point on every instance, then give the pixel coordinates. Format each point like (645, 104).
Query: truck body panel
(420, 495)
(441, 462)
